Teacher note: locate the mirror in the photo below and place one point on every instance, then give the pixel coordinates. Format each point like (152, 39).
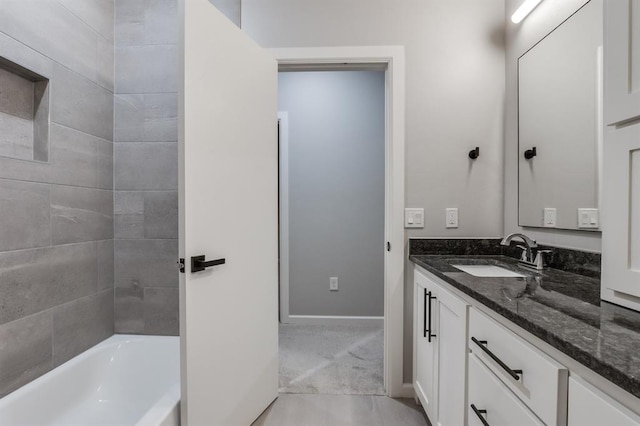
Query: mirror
(560, 124)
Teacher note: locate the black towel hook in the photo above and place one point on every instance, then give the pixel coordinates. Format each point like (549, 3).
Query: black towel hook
(530, 153)
(474, 153)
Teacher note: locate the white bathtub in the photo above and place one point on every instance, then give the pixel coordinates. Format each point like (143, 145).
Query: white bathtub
(124, 380)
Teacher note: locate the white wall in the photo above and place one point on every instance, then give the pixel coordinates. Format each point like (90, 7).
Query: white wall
(336, 190)
(520, 38)
(455, 97)
(455, 91)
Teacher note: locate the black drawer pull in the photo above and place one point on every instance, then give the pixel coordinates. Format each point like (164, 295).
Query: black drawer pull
(480, 413)
(513, 373)
(430, 335)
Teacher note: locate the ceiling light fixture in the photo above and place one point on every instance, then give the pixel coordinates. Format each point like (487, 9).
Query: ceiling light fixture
(524, 9)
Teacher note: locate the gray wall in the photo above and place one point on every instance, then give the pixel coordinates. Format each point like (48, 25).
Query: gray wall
(520, 38)
(56, 217)
(146, 166)
(336, 190)
(455, 81)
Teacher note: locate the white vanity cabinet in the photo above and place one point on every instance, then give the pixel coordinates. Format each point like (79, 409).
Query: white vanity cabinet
(621, 60)
(590, 407)
(440, 333)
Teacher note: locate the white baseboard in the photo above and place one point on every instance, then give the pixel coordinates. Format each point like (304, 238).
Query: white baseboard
(408, 391)
(333, 320)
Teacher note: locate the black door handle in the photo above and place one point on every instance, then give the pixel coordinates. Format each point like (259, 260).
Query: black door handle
(199, 264)
(430, 335)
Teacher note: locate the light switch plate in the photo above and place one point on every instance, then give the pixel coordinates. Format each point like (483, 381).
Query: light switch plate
(549, 216)
(413, 218)
(451, 217)
(588, 219)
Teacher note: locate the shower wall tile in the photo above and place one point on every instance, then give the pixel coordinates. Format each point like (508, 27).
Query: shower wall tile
(129, 310)
(161, 307)
(25, 351)
(56, 245)
(161, 215)
(81, 214)
(24, 215)
(73, 157)
(149, 117)
(104, 167)
(98, 14)
(81, 324)
(105, 73)
(68, 40)
(106, 264)
(146, 166)
(146, 263)
(35, 280)
(81, 104)
(128, 110)
(161, 22)
(130, 22)
(160, 117)
(146, 69)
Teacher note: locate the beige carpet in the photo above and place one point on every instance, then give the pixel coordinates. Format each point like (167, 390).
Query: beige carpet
(336, 359)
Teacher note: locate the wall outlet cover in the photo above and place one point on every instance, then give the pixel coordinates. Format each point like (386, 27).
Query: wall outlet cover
(333, 284)
(413, 218)
(451, 217)
(549, 216)
(588, 219)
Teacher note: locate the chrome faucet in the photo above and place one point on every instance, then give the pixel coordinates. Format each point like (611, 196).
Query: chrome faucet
(527, 259)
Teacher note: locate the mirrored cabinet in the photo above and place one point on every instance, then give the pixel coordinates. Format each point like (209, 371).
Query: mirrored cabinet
(621, 169)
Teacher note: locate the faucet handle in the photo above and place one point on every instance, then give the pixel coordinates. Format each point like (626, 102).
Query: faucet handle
(523, 255)
(539, 261)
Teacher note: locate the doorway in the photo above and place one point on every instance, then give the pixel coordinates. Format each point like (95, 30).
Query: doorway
(390, 60)
(332, 188)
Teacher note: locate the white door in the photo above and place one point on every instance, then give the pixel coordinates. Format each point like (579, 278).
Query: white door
(425, 350)
(228, 209)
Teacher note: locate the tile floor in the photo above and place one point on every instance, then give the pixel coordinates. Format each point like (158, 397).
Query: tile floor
(332, 376)
(339, 410)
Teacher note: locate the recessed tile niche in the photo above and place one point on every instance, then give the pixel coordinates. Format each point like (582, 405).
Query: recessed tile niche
(24, 113)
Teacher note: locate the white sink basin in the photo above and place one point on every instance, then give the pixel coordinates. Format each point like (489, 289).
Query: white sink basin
(488, 271)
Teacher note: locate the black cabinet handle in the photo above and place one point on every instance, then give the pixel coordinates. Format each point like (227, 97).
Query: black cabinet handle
(199, 264)
(429, 334)
(480, 413)
(424, 315)
(513, 373)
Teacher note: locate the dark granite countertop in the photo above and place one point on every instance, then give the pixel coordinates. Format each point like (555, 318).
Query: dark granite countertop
(561, 308)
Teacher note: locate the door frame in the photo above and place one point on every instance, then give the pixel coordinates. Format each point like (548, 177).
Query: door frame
(391, 57)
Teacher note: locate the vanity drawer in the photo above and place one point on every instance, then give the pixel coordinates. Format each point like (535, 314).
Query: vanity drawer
(501, 407)
(539, 381)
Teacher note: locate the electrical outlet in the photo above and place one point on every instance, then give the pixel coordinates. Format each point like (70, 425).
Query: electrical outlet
(333, 284)
(549, 217)
(452, 218)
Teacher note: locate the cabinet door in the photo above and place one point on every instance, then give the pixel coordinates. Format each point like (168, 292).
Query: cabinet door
(621, 216)
(590, 407)
(451, 322)
(425, 353)
(622, 60)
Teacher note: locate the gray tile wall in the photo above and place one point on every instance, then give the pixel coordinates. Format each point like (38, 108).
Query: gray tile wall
(56, 217)
(146, 166)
